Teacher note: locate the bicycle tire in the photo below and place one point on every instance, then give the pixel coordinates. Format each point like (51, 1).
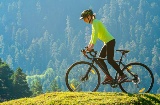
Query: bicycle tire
(141, 82)
(75, 73)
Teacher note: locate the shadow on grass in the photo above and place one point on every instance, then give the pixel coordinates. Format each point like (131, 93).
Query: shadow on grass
(146, 99)
(152, 98)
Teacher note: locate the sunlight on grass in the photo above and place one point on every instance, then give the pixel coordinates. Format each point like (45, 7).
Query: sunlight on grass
(83, 98)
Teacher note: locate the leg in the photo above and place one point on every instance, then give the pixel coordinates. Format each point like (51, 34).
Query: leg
(101, 62)
(110, 56)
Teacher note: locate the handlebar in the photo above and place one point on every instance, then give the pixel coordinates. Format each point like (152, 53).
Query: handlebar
(92, 53)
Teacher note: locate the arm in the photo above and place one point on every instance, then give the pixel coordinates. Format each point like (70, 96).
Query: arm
(94, 36)
(90, 47)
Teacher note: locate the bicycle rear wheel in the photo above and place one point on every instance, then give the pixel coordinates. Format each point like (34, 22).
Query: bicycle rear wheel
(77, 78)
(140, 79)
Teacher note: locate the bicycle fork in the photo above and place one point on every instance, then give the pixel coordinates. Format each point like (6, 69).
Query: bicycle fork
(85, 77)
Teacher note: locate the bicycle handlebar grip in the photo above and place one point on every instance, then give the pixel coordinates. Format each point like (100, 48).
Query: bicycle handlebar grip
(83, 50)
(92, 53)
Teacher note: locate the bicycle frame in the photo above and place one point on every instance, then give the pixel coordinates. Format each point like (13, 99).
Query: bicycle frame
(95, 59)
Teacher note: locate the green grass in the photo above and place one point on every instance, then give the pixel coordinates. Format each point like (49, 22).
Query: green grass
(88, 98)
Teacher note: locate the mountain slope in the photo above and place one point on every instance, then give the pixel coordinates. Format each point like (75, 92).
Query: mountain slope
(93, 98)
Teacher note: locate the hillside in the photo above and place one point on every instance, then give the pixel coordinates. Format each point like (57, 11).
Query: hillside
(92, 98)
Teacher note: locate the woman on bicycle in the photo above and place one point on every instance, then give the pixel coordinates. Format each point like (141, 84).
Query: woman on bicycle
(100, 32)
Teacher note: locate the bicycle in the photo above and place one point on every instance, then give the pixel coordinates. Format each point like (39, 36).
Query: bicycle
(84, 75)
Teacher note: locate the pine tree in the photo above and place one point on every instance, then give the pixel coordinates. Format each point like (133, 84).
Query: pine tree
(5, 81)
(20, 84)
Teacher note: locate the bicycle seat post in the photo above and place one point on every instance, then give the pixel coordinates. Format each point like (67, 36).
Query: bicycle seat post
(122, 54)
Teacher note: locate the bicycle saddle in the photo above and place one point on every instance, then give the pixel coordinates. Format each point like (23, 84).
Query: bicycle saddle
(123, 51)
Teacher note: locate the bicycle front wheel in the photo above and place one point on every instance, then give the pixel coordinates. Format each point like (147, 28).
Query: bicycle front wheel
(82, 76)
(140, 79)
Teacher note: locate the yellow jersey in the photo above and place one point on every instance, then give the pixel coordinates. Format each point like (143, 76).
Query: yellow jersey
(99, 31)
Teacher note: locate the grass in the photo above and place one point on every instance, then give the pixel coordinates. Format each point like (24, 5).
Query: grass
(88, 98)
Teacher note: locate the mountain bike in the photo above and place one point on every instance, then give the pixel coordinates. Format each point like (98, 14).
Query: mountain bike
(85, 76)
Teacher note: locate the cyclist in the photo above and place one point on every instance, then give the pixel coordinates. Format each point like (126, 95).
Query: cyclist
(100, 32)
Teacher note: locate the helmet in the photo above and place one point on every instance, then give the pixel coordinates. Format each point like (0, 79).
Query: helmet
(86, 13)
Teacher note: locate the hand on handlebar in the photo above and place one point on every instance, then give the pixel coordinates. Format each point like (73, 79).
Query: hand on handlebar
(92, 53)
(84, 52)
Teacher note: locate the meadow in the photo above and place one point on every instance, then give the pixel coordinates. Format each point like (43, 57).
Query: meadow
(88, 98)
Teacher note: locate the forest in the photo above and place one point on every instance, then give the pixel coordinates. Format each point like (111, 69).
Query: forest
(43, 38)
